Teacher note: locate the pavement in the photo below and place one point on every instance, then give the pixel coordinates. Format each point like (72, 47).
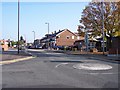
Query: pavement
(90, 55)
(12, 56)
(95, 55)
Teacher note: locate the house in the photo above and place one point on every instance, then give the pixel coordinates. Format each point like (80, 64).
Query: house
(37, 43)
(80, 44)
(92, 43)
(4, 45)
(59, 39)
(65, 38)
(115, 49)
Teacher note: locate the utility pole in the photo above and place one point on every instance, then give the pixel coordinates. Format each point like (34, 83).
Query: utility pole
(48, 26)
(18, 25)
(86, 40)
(103, 43)
(48, 33)
(34, 36)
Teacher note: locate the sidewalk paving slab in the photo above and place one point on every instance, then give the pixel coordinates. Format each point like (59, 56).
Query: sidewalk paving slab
(10, 55)
(91, 55)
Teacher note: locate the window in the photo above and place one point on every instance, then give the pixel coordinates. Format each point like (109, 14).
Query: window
(68, 37)
(78, 37)
(58, 37)
(73, 37)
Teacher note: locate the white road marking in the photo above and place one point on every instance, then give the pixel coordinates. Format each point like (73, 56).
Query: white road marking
(60, 64)
(37, 50)
(92, 66)
(101, 73)
(54, 53)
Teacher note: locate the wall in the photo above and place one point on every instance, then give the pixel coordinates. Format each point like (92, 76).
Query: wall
(62, 39)
(115, 46)
(4, 45)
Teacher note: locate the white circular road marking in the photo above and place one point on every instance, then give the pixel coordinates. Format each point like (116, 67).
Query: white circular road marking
(60, 64)
(92, 66)
(54, 53)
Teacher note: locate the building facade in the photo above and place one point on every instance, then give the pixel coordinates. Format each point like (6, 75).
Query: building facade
(65, 38)
(59, 39)
(4, 45)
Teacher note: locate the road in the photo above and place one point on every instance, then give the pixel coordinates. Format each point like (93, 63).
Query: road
(59, 70)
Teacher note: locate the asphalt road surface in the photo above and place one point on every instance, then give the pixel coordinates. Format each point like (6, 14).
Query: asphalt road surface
(59, 70)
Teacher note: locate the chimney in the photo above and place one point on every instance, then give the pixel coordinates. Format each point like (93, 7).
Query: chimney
(59, 30)
(55, 32)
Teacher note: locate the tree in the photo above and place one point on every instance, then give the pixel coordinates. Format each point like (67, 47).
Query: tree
(80, 30)
(14, 43)
(22, 41)
(92, 19)
(21, 38)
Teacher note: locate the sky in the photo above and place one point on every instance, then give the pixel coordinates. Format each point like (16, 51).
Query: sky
(34, 15)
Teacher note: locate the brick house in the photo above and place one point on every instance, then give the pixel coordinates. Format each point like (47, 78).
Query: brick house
(4, 45)
(65, 38)
(61, 38)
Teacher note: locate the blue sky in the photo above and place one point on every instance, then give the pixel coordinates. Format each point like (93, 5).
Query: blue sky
(33, 16)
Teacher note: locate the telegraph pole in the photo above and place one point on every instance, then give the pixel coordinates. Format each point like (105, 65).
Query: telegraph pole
(48, 33)
(34, 36)
(103, 43)
(18, 24)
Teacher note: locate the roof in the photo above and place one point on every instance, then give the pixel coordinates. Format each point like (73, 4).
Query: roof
(79, 40)
(51, 35)
(66, 30)
(3, 40)
(93, 39)
(56, 34)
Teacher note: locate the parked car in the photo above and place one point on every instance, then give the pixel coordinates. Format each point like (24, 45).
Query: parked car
(60, 47)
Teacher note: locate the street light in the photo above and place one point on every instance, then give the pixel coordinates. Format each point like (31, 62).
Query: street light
(48, 26)
(18, 24)
(86, 40)
(34, 36)
(48, 33)
(103, 26)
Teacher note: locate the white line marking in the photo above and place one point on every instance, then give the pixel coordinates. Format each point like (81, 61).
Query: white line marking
(92, 66)
(100, 73)
(60, 64)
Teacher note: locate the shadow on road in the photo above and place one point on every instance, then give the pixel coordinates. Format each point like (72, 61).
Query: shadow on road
(10, 55)
(110, 84)
(61, 61)
(21, 53)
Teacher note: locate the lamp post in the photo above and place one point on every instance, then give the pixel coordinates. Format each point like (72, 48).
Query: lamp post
(48, 33)
(86, 40)
(18, 24)
(103, 43)
(34, 36)
(48, 26)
